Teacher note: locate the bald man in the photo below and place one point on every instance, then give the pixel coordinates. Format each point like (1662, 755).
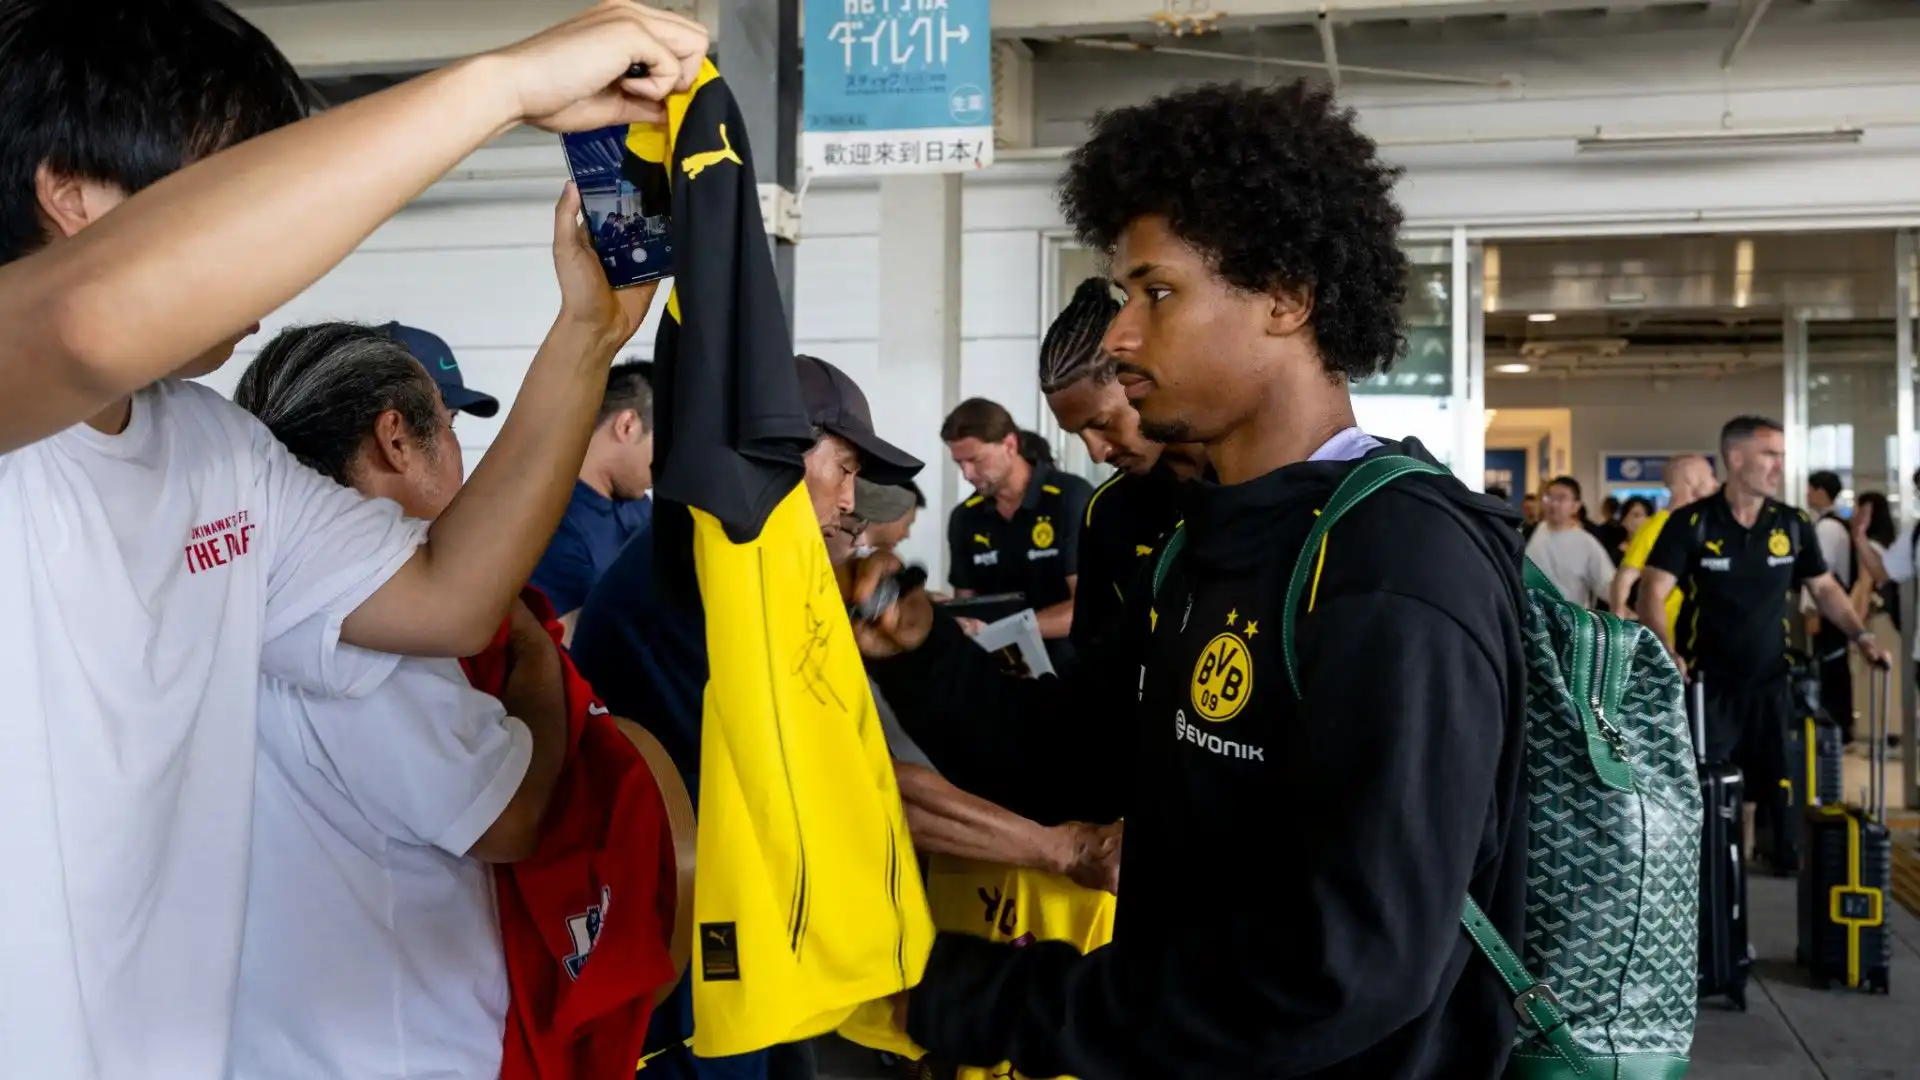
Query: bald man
(1689, 478)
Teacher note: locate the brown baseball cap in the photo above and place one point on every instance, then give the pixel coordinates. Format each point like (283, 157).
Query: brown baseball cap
(836, 405)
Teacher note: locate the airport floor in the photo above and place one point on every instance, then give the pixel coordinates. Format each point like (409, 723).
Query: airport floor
(1790, 1030)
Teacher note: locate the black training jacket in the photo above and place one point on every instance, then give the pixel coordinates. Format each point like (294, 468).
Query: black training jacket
(1293, 872)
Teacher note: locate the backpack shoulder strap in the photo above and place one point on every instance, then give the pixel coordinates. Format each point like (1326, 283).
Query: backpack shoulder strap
(1168, 553)
(1366, 478)
(1532, 998)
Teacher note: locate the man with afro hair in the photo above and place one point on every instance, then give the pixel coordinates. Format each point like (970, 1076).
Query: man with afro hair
(1296, 863)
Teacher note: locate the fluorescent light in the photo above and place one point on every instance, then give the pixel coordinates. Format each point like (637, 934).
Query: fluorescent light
(1743, 273)
(1542, 316)
(1600, 142)
(1512, 369)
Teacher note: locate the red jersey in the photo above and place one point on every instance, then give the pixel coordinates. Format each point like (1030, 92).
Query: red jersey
(587, 920)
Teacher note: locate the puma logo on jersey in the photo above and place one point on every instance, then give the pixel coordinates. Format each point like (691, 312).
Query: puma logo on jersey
(1714, 546)
(982, 540)
(719, 952)
(695, 164)
(594, 708)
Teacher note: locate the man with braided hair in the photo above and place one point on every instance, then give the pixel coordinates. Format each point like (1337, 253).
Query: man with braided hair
(1134, 511)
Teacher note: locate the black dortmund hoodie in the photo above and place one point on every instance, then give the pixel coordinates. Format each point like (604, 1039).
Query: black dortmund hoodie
(1293, 870)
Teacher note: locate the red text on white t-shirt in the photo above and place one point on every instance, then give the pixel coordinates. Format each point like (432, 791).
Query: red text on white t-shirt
(219, 542)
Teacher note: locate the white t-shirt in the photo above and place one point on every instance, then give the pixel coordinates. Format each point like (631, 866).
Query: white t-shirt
(1836, 547)
(1899, 564)
(1574, 561)
(146, 580)
(373, 946)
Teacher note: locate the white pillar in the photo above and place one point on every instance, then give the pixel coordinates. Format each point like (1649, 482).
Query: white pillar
(920, 342)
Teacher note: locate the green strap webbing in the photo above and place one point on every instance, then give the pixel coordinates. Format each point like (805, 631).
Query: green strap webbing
(1530, 997)
(1366, 478)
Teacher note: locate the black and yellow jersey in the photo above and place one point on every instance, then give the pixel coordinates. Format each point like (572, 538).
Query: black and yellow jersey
(1127, 520)
(807, 899)
(1741, 585)
(1033, 552)
(1242, 949)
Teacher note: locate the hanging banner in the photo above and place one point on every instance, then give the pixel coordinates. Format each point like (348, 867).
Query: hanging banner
(897, 86)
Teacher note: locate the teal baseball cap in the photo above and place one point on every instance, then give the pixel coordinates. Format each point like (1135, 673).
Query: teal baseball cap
(436, 356)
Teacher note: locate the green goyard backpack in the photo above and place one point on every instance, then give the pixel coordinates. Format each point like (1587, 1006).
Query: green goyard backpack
(1606, 988)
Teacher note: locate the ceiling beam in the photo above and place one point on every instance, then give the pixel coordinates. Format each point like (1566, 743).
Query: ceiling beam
(1751, 11)
(1045, 19)
(324, 37)
(1327, 48)
(347, 36)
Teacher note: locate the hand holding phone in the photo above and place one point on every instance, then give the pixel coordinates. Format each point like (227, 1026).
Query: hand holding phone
(890, 611)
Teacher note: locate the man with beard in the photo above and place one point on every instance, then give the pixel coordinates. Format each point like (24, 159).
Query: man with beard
(1131, 514)
(1295, 861)
(1020, 531)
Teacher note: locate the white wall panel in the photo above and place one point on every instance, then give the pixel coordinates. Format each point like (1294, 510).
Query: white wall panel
(1004, 370)
(1000, 284)
(837, 288)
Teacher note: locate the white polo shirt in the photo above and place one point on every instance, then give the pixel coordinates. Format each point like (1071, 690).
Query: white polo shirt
(373, 945)
(146, 580)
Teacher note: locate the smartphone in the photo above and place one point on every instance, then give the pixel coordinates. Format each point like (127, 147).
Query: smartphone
(622, 176)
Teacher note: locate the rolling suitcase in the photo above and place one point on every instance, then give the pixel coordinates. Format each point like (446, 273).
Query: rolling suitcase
(1814, 742)
(1845, 874)
(1724, 958)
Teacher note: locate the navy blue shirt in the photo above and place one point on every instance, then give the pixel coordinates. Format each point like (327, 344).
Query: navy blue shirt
(590, 537)
(644, 651)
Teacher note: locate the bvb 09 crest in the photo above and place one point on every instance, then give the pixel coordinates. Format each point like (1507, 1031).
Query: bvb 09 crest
(1043, 533)
(1778, 546)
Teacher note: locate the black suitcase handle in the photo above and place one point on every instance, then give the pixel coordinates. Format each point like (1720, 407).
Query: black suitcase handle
(1697, 715)
(1879, 693)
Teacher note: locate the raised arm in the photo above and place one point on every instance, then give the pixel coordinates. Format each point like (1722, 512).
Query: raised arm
(195, 259)
(448, 600)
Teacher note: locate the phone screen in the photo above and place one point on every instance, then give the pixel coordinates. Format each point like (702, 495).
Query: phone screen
(622, 176)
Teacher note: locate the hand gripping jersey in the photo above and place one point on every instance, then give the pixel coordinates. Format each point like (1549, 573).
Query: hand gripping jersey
(589, 921)
(999, 903)
(808, 901)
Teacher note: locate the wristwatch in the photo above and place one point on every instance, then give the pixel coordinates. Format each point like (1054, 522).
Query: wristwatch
(1863, 636)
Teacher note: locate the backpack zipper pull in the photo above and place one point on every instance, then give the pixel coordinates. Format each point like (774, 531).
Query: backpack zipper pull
(1608, 732)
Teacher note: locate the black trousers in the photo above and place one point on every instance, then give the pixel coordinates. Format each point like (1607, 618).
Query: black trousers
(1748, 727)
(1830, 651)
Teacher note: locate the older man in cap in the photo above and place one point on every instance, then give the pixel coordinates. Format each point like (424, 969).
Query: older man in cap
(645, 652)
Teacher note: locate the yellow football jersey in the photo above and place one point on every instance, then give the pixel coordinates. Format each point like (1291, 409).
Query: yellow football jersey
(999, 903)
(808, 901)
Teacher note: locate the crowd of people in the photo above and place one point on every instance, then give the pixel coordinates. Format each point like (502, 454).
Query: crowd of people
(1725, 573)
(316, 735)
